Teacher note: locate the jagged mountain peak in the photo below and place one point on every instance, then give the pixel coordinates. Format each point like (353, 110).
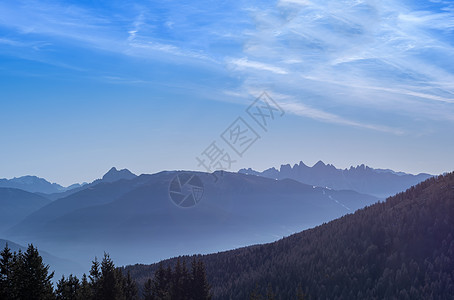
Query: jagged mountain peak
(301, 164)
(363, 179)
(114, 174)
(319, 164)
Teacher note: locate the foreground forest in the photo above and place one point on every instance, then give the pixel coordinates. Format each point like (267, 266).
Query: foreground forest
(402, 248)
(24, 276)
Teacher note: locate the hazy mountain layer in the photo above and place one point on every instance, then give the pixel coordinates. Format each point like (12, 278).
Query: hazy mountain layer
(111, 176)
(378, 182)
(136, 220)
(16, 204)
(34, 184)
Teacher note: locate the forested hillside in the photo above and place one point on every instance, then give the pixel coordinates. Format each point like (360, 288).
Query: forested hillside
(399, 249)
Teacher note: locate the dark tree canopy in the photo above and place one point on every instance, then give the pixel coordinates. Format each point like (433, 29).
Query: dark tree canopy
(178, 283)
(24, 276)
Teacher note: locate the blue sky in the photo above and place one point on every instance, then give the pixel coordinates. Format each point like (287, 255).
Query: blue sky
(148, 85)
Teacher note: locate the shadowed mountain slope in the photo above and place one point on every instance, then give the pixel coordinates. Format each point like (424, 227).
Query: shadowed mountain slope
(16, 204)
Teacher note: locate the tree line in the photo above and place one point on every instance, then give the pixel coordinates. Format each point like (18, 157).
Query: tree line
(178, 283)
(24, 276)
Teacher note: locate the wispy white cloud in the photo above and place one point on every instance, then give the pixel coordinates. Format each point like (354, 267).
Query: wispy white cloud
(10, 42)
(303, 110)
(294, 105)
(86, 28)
(381, 56)
(298, 2)
(362, 55)
(427, 19)
(244, 63)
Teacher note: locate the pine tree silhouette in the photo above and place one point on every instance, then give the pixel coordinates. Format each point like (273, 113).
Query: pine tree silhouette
(147, 293)
(6, 265)
(110, 281)
(33, 280)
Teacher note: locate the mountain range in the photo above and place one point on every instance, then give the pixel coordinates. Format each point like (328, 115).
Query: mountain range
(111, 176)
(34, 184)
(402, 248)
(135, 219)
(381, 183)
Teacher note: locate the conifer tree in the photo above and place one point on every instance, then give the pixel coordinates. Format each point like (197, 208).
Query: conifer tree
(16, 275)
(35, 280)
(255, 294)
(148, 290)
(110, 282)
(95, 276)
(68, 289)
(85, 291)
(269, 293)
(299, 293)
(161, 283)
(176, 291)
(129, 288)
(185, 282)
(200, 289)
(6, 284)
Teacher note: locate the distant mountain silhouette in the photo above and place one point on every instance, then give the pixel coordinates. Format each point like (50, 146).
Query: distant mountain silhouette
(378, 182)
(399, 249)
(34, 184)
(111, 176)
(236, 210)
(52, 191)
(16, 204)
